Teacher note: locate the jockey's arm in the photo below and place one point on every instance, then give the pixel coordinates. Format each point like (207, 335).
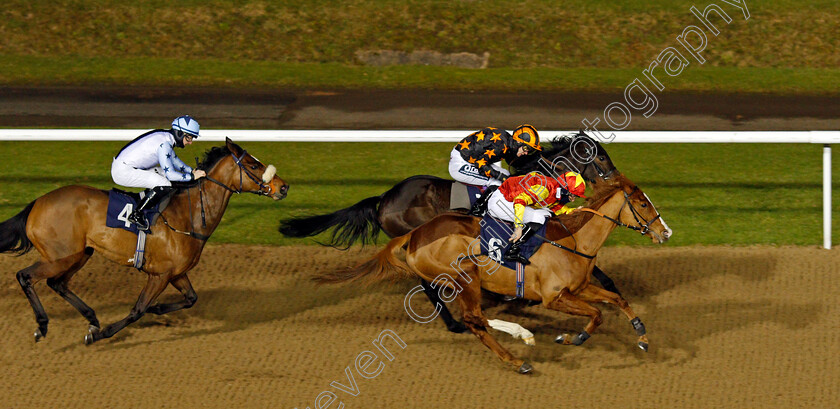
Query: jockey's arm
(173, 168)
(534, 194)
(180, 165)
(561, 207)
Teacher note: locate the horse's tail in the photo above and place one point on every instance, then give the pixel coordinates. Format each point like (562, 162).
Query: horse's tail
(357, 222)
(384, 265)
(13, 233)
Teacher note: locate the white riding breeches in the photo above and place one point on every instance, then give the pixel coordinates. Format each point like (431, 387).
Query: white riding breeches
(501, 208)
(125, 175)
(466, 172)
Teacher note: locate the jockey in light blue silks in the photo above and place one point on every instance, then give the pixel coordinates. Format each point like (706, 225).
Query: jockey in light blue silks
(149, 161)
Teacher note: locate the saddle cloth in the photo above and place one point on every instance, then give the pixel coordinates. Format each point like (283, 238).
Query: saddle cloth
(122, 203)
(494, 241)
(463, 196)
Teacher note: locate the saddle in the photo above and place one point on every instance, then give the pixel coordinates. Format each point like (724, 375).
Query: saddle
(121, 203)
(462, 196)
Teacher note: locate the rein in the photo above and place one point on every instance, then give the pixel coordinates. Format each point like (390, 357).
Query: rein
(250, 175)
(641, 228)
(571, 250)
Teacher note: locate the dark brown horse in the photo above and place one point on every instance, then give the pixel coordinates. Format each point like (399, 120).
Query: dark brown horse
(418, 199)
(557, 278)
(68, 224)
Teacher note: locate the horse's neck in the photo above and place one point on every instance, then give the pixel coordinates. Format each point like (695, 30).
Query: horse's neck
(594, 233)
(209, 197)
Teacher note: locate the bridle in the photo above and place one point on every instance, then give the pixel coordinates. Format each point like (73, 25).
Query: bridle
(262, 185)
(642, 228)
(262, 191)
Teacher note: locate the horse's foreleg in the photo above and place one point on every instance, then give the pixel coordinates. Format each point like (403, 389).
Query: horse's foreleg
(154, 286)
(594, 294)
(60, 283)
(605, 281)
(470, 301)
(568, 303)
(451, 324)
(183, 284)
(515, 330)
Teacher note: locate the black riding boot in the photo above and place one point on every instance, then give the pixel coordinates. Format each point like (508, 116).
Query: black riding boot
(480, 205)
(513, 253)
(152, 198)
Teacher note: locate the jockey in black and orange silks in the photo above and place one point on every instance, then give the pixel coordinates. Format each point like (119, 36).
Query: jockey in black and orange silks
(475, 160)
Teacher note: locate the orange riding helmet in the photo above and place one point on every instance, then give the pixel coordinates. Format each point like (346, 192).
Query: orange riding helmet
(527, 135)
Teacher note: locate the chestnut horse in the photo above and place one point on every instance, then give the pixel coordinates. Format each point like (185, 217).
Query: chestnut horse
(418, 199)
(68, 224)
(557, 278)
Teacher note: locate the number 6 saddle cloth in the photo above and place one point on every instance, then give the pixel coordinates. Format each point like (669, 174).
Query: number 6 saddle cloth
(495, 234)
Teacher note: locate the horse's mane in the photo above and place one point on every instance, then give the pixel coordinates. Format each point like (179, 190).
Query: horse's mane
(213, 156)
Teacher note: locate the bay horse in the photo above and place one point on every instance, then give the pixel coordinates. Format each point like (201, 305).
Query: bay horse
(557, 278)
(418, 199)
(67, 225)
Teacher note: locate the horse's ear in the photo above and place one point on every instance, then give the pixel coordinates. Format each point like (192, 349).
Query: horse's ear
(232, 147)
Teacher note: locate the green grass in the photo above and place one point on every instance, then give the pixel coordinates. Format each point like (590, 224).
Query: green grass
(785, 46)
(86, 71)
(738, 194)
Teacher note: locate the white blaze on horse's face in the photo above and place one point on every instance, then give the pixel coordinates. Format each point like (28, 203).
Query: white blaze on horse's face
(668, 232)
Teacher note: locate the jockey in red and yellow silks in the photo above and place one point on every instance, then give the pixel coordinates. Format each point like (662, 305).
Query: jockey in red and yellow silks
(529, 200)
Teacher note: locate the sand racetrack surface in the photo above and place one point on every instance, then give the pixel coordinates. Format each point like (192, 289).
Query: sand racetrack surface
(742, 327)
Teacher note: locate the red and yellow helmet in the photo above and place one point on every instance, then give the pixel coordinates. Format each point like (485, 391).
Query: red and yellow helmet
(574, 183)
(527, 135)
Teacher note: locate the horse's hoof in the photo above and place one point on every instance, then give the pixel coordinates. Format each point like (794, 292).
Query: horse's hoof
(457, 327)
(561, 339)
(529, 341)
(525, 368)
(90, 337)
(643, 346)
(38, 335)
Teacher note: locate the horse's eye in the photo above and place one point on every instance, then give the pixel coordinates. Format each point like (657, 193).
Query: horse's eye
(644, 204)
(601, 158)
(254, 167)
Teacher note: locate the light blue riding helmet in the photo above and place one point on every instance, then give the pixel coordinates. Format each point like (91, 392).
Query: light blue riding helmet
(184, 125)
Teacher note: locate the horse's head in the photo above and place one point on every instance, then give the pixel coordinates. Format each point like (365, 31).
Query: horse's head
(638, 213)
(239, 171)
(582, 154)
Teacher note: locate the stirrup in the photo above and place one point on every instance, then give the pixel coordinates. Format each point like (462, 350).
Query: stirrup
(141, 222)
(477, 211)
(517, 257)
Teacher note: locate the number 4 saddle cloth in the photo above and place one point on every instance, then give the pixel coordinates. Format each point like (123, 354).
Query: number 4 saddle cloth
(122, 203)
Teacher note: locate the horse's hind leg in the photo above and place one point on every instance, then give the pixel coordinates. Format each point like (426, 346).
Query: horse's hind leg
(594, 294)
(31, 275)
(451, 324)
(60, 283)
(183, 284)
(470, 301)
(568, 303)
(154, 286)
